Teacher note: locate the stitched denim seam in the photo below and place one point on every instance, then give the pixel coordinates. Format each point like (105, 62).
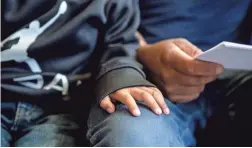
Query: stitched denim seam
(16, 119)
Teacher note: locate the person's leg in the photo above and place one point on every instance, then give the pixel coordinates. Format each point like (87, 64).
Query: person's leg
(5, 138)
(229, 123)
(8, 110)
(122, 129)
(240, 93)
(176, 129)
(38, 128)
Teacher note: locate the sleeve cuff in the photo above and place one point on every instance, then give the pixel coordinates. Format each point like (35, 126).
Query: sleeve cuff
(118, 79)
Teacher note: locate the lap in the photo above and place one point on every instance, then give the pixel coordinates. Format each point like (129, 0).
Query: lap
(176, 129)
(5, 137)
(122, 129)
(25, 124)
(231, 96)
(50, 131)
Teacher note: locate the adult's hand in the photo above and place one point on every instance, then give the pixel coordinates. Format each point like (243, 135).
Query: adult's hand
(175, 70)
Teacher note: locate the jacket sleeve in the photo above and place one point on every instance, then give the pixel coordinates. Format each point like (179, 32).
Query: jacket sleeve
(118, 67)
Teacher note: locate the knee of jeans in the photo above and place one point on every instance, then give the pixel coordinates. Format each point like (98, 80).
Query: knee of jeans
(122, 129)
(5, 137)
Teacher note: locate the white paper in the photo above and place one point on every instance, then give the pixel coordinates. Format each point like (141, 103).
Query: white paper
(230, 55)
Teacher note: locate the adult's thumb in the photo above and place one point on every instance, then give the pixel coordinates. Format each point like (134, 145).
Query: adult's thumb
(182, 60)
(187, 47)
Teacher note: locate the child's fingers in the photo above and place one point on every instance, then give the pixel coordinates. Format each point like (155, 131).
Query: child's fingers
(125, 98)
(107, 105)
(147, 98)
(158, 97)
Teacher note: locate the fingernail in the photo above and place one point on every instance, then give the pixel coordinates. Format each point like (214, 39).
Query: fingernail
(110, 110)
(136, 112)
(158, 111)
(166, 111)
(219, 69)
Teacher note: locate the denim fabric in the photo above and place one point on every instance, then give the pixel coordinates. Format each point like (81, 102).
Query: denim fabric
(122, 129)
(176, 129)
(24, 124)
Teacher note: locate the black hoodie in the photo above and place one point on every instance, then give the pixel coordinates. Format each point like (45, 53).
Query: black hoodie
(48, 47)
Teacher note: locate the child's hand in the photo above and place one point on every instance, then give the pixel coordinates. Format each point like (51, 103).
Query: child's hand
(151, 96)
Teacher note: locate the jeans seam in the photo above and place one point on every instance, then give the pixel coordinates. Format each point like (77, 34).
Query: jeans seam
(20, 114)
(187, 124)
(17, 117)
(183, 133)
(187, 127)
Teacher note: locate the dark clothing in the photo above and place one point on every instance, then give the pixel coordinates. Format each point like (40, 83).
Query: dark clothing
(206, 23)
(203, 23)
(56, 50)
(49, 47)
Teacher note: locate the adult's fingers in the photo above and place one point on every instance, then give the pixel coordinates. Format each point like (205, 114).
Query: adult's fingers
(125, 98)
(158, 97)
(183, 98)
(107, 105)
(182, 62)
(147, 98)
(187, 47)
(194, 51)
(174, 77)
(184, 90)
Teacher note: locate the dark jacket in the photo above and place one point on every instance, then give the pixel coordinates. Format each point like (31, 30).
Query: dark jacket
(203, 22)
(49, 47)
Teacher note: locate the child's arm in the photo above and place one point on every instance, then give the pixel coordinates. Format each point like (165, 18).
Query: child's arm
(120, 76)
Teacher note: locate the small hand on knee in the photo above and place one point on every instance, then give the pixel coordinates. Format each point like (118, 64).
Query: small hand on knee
(151, 96)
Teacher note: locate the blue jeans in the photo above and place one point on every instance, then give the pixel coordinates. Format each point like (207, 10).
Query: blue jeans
(24, 124)
(176, 129)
